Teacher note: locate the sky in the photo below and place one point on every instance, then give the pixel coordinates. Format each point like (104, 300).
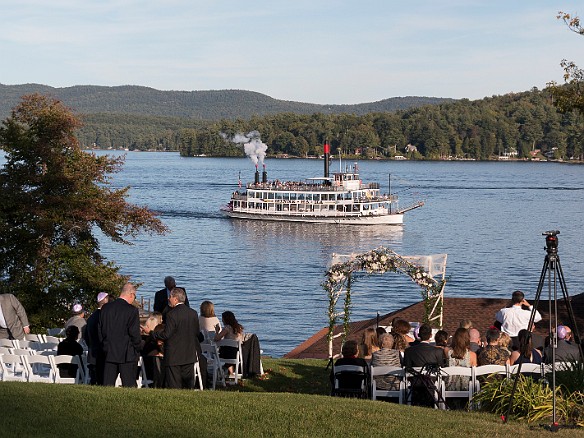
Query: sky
(317, 51)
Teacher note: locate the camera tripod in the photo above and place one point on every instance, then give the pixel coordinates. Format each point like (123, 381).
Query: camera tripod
(552, 270)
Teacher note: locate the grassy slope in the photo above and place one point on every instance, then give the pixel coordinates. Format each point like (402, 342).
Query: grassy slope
(36, 409)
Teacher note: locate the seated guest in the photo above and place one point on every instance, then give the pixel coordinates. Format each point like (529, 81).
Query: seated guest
(428, 357)
(505, 342)
(493, 353)
(386, 356)
(400, 330)
(380, 331)
(475, 340)
(231, 330)
(517, 316)
(423, 353)
(369, 344)
(70, 347)
(526, 352)
(441, 339)
(350, 352)
(459, 355)
(208, 322)
(565, 350)
(153, 354)
(466, 323)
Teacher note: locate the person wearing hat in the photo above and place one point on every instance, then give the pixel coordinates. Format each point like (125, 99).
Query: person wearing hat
(95, 356)
(565, 351)
(77, 319)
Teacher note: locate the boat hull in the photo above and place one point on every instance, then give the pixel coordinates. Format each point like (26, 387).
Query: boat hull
(389, 219)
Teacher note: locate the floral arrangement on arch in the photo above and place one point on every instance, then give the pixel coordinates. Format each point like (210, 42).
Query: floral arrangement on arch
(377, 261)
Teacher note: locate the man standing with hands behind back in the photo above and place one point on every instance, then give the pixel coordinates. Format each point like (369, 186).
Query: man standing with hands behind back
(119, 333)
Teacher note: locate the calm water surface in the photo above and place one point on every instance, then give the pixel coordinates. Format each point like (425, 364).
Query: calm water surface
(488, 218)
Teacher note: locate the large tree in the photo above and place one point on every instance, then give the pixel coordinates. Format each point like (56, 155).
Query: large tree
(54, 197)
(570, 96)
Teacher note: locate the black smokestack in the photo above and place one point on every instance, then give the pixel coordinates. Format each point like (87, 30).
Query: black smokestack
(257, 176)
(264, 175)
(327, 153)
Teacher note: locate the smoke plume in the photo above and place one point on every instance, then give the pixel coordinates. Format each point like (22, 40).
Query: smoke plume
(252, 145)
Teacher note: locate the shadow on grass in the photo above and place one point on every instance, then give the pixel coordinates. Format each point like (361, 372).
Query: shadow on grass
(305, 376)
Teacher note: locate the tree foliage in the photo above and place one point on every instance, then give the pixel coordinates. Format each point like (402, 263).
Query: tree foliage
(54, 197)
(570, 96)
(516, 123)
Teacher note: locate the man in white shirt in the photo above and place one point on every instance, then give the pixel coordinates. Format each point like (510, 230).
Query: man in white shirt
(515, 318)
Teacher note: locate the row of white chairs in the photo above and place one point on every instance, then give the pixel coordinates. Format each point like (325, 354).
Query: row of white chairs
(474, 375)
(28, 345)
(38, 368)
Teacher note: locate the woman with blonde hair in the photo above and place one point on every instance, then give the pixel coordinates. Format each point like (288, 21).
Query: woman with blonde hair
(207, 320)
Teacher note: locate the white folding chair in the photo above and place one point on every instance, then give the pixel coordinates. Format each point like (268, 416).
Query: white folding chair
(53, 339)
(527, 368)
(467, 378)
(22, 351)
(418, 378)
(20, 343)
(58, 332)
(388, 371)
(347, 376)
(211, 353)
(6, 350)
(197, 375)
(34, 337)
(13, 369)
(6, 343)
(45, 346)
(143, 381)
(481, 373)
(38, 368)
(65, 359)
(237, 362)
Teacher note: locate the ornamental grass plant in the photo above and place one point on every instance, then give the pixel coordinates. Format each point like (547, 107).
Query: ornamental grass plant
(532, 401)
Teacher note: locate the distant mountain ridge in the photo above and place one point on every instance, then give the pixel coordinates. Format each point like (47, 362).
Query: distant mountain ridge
(199, 105)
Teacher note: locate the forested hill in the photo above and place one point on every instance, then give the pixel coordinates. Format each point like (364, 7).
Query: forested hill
(198, 105)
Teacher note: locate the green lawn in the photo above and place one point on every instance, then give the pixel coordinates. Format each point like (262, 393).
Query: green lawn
(258, 408)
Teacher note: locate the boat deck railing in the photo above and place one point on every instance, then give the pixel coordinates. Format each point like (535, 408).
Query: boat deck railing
(297, 186)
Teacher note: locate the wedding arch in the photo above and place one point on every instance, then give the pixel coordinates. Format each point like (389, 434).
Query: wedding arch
(428, 272)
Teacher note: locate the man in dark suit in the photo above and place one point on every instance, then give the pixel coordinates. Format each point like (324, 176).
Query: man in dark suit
(161, 297)
(427, 357)
(423, 353)
(13, 319)
(119, 333)
(95, 356)
(181, 343)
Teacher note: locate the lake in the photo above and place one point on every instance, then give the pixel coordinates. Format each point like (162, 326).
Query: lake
(487, 216)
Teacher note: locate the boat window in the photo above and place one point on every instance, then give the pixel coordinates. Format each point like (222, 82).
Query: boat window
(293, 196)
(270, 195)
(300, 196)
(278, 195)
(339, 197)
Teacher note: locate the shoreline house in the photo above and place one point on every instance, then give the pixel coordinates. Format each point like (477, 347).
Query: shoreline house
(481, 311)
